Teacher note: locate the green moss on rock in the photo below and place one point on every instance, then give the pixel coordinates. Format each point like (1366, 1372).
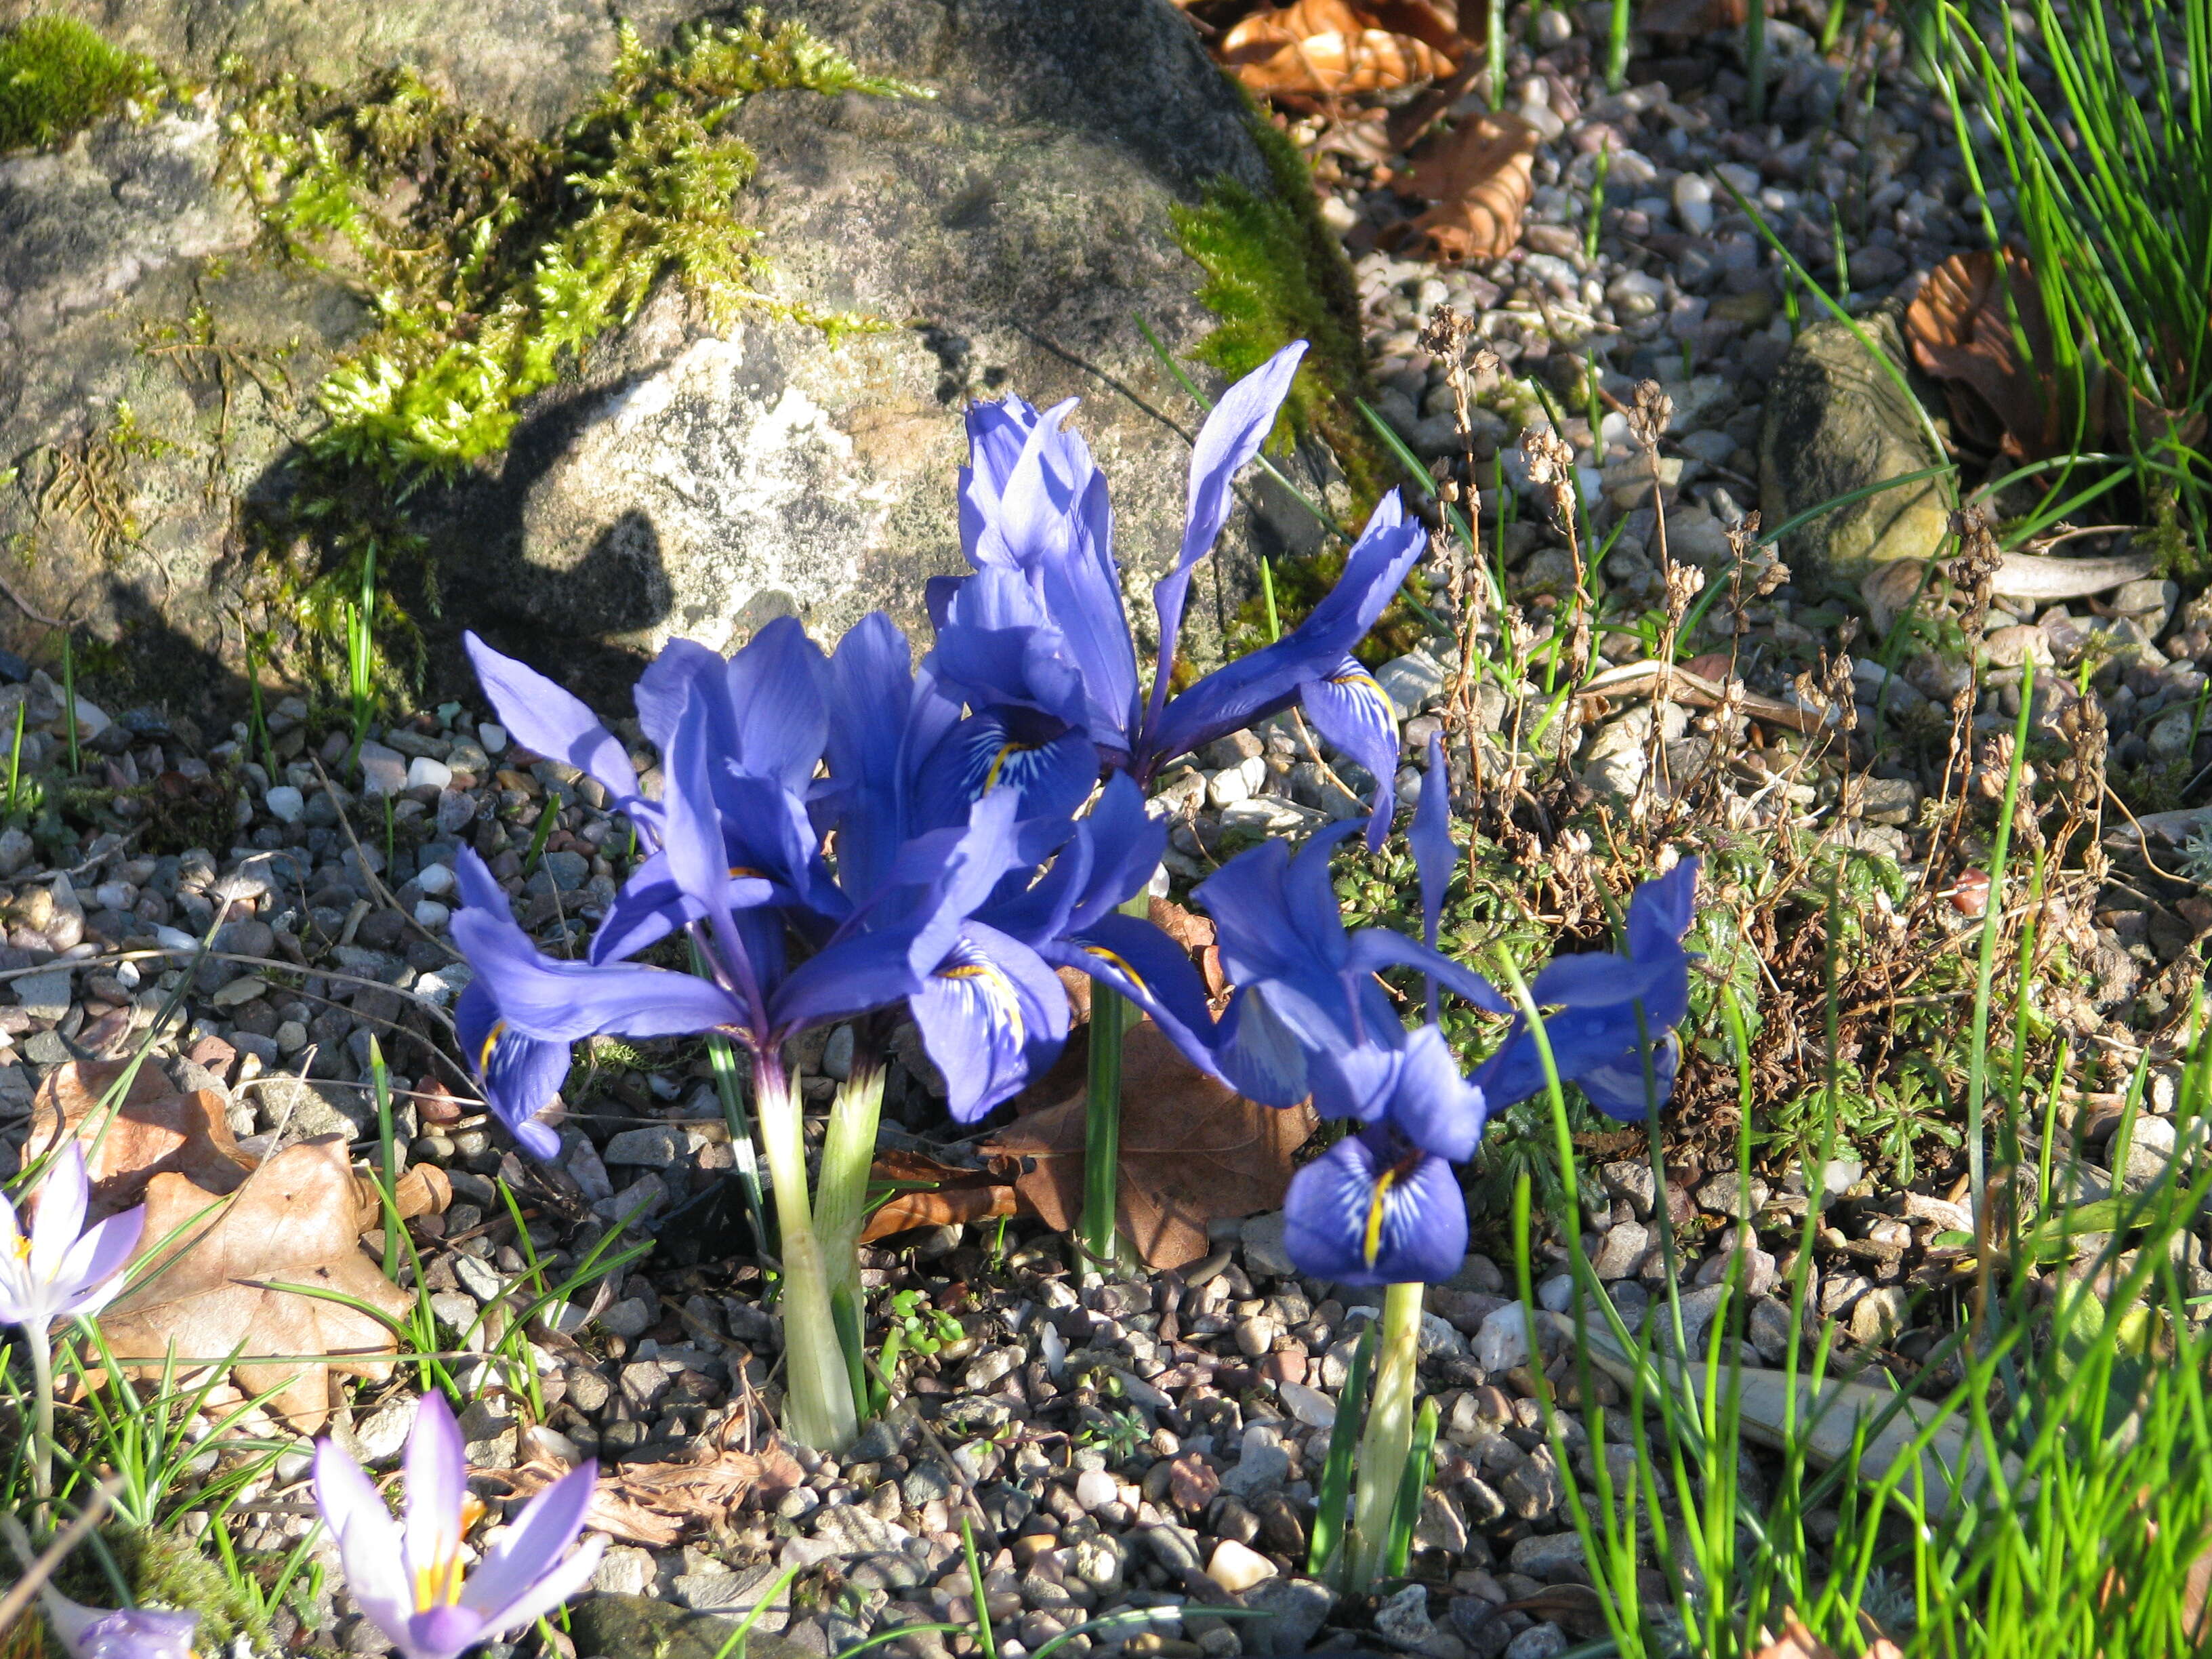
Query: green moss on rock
(58, 77)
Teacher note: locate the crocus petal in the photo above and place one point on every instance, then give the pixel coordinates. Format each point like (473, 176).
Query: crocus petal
(443, 1633)
(993, 1017)
(437, 1484)
(559, 1584)
(1431, 1105)
(368, 1540)
(1349, 710)
(1232, 435)
(14, 1303)
(1359, 1216)
(560, 1001)
(1430, 836)
(125, 1633)
(59, 1217)
(90, 1275)
(1266, 680)
(552, 721)
(534, 1545)
(1619, 1089)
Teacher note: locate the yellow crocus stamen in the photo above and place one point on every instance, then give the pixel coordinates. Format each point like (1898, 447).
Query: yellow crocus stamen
(1373, 1244)
(438, 1584)
(490, 1042)
(1118, 961)
(998, 761)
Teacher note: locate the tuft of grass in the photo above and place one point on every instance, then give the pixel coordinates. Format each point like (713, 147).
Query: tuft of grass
(58, 77)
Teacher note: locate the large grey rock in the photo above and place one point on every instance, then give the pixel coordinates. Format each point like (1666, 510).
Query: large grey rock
(1837, 421)
(1011, 229)
(1006, 233)
(639, 1627)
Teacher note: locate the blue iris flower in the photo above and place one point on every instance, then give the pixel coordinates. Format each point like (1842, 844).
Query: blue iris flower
(1041, 624)
(1615, 1011)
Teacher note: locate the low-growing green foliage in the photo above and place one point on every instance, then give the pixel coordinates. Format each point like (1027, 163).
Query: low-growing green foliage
(58, 76)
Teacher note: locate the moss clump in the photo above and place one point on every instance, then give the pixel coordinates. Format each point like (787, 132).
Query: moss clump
(58, 77)
(494, 259)
(1276, 272)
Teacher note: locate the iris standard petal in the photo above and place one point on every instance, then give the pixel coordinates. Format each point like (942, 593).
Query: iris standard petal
(59, 1217)
(1594, 979)
(1434, 855)
(368, 1541)
(1266, 680)
(1348, 709)
(437, 1485)
(777, 687)
(1619, 1088)
(684, 674)
(560, 1001)
(1660, 910)
(1431, 1105)
(993, 1017)
(91, 1274)
(1365, 1212)
(1231, 435)
(996, 434)
(1374, 948)
(552, 721)
(534, 1545)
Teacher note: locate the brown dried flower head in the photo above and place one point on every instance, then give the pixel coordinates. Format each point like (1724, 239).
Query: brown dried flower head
(1650, 414)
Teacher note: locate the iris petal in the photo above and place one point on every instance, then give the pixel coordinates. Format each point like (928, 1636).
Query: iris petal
(1366, 1213)
(1349, 710)
(993, 1017)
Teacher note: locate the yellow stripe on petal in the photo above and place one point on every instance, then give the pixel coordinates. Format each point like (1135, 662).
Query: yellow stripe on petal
(997, 990)
(999, 761)
(1115, 960)
(490, 1042)
(1376, 1208)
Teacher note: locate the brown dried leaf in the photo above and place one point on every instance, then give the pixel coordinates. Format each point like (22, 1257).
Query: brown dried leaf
(1323, 48)
(156, 1131)
(1195, 933)
(1796, 1641)
(655, 1504)
(954, 1194)
(1961, 334)
(1479, 176)
(1192, 1151)
(218, 1265)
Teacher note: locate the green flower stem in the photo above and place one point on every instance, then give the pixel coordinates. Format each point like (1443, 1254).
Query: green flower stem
(1101, 1126)
(1102, 1122)
(818, 1409)
(1389, 1437)
(841, 1203)
(39, 1341)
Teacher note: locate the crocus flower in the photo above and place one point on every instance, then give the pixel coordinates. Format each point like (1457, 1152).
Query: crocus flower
(409, 1576)
(122, 1633)
(60, 1268)
(1041, 624)
(1614, 1010)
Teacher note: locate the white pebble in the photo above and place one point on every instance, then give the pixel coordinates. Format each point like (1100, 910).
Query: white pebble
(285, 803)
(431, 915)
(1095, 1488)
(492, 737)
(1502, 1343)
(436, 879)
(1553, 29)
(1236, 1568)
(1694, 202)
(423, 773)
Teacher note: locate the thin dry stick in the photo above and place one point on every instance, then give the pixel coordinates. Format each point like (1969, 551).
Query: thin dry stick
(37, 1573)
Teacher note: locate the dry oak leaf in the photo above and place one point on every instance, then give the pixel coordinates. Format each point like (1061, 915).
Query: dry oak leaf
(155, 1131)
(212, 1273)
(655, 1504)
(1323, 48)
(952, 1194)
(1962, 334)
(1479, 176)
(1796, 1641)
(1192, 1151)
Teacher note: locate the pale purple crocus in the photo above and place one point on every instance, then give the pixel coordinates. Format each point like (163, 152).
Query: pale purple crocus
(121, 1633)
(59, 1268)
(409, 1576)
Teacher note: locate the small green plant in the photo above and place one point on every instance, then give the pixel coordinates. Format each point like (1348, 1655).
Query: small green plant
(58, 77)
(915, 1325)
